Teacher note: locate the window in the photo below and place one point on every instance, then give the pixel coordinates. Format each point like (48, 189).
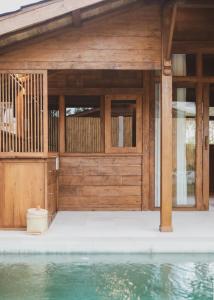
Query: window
(123, 128)
(83, 124)
(123, 123)
(184, 146)
(184, 64)
(53, 124)
(208, 65)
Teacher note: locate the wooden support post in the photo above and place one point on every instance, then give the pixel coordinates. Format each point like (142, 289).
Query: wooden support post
(166, 152)
(62, 124)
(168, 26)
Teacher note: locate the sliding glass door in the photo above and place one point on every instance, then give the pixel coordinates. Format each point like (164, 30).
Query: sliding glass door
(184, 146)
(187, 135)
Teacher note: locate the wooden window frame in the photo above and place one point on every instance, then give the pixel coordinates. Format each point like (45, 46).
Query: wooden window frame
(62, 129)
(108, 142)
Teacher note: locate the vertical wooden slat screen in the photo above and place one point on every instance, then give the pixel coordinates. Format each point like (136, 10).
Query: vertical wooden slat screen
(22, 112)
(83, 135)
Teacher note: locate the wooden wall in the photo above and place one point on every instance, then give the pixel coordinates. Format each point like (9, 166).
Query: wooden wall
(129, 39)
(22, 186)
(100, 183)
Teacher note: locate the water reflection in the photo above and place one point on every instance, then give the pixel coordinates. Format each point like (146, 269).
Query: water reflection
(116, 277)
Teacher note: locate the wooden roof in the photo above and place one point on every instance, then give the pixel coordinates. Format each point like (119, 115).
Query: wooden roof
(50, 15)
(194, 20)
(40, 12)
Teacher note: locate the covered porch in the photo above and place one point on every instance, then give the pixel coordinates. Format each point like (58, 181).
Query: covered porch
(92, 124)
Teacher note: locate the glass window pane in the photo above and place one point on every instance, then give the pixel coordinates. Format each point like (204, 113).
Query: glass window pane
(83, 125)
(208, 65)
(123, 123)
(184, 147)
(184, 64)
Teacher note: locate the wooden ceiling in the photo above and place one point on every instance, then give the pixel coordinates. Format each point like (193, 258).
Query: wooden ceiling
(194, 24)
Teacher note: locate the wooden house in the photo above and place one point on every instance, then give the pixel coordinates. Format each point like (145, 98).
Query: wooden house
(106, 105)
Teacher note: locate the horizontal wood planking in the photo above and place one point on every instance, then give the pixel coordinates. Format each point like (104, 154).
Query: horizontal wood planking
(100, 180)
(100, 183)
(125, 203)
(35, 14)
(114, 42)
(100, 191)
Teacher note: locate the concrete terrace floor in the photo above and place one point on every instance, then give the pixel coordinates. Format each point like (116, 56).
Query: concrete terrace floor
(113, 232)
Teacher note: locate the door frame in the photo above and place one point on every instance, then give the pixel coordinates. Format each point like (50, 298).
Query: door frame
(205, 138)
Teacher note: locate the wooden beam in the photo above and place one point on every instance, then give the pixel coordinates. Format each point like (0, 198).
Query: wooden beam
(193, 46)
(196, 4)
(62, 124)
(169, 15)
(94, 91)
(166, 132)
(76, 18)
(171, 31)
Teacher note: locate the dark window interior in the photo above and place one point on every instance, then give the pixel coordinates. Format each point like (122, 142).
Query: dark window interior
(208, 64)
(53, 124)
(191, 64)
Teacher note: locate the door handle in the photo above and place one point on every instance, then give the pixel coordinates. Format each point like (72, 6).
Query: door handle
(206, 142)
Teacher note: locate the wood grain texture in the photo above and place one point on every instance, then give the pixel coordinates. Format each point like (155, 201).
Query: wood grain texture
(23, 188)
(100, 183)
(129, 40)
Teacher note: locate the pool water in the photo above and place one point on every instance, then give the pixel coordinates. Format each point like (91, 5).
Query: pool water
(115, 277)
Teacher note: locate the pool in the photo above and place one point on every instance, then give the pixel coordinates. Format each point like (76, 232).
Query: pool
(115, 277)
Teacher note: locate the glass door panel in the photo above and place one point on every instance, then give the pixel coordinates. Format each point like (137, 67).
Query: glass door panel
(184, 147)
